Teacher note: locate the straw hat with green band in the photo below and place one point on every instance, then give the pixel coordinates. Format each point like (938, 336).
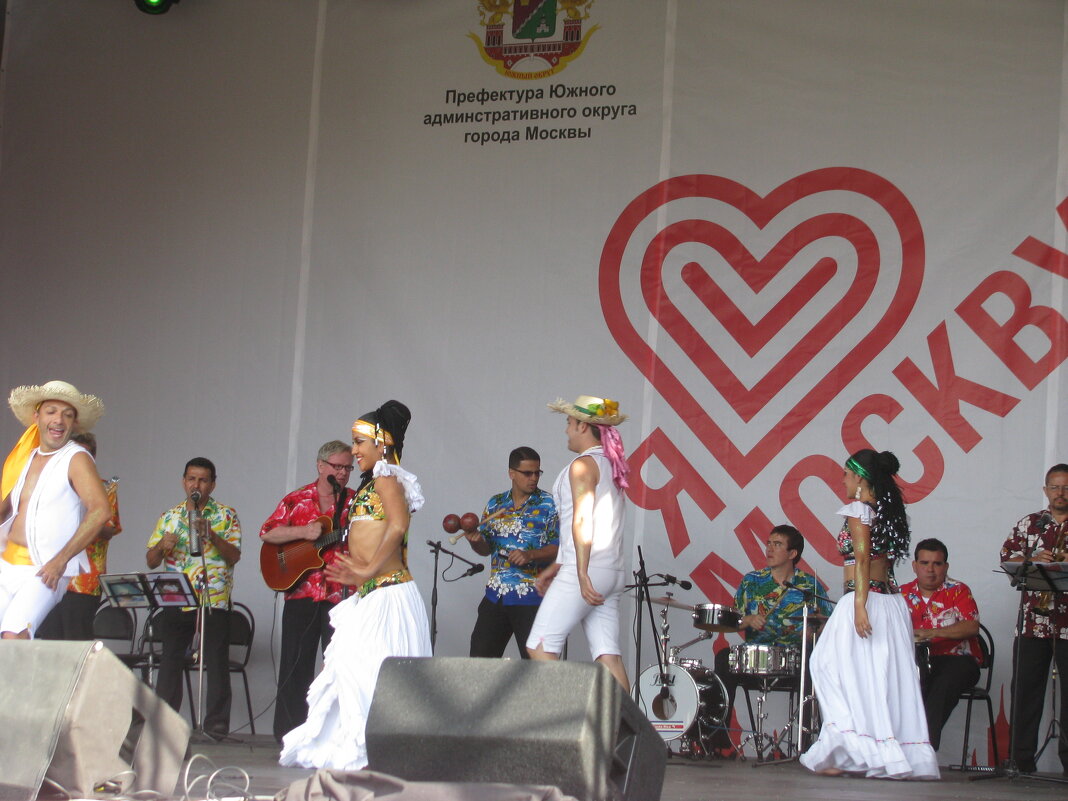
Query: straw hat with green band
(588, 409)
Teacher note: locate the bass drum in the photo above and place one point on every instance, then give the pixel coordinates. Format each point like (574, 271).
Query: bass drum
(686, 703)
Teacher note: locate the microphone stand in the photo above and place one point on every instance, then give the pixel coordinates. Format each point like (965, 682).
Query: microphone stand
(439, 549)
(643, 584)
(201, 625)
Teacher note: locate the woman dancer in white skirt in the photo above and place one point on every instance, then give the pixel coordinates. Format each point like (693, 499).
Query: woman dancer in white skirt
(386, 616)
(864, 667)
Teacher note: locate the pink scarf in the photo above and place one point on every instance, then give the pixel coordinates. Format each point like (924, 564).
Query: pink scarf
(613, 449)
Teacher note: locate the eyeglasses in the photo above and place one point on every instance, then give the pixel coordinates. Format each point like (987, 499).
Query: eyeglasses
(345, 468)
(530, 473)
(1057, 489)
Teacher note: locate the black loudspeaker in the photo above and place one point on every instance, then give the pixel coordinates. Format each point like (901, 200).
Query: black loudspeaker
(72, 712)
(564, 724)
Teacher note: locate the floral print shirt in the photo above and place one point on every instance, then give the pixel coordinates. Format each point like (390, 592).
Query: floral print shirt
(760, 594)
(1035, 532)
(299, 508)
(534, 525)
(951, 603)
(220, 579)
(89, 583)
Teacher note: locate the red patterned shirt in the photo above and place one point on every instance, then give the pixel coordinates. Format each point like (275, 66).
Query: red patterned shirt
(1039, 531)
(951, 603)
(299, 508)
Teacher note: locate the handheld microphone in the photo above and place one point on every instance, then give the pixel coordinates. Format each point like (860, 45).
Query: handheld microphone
(335, 485)
(194, 516)
(474, 569)
(683, 583)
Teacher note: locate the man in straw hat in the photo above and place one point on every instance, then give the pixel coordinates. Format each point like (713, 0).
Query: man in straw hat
(586, 582)
(54, 504)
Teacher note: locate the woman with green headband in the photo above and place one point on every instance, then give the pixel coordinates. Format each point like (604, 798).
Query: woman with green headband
(863, 667)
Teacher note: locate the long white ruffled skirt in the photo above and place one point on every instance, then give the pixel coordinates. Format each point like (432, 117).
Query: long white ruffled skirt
(389, 621)
(869, 695)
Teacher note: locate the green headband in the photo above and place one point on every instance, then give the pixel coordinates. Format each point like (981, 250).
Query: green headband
(857, 468)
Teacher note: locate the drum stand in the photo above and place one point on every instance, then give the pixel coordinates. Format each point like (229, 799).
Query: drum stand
(765, 743)
(805, 697)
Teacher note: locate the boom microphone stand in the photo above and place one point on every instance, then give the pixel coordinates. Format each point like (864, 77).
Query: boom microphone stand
(438, 549)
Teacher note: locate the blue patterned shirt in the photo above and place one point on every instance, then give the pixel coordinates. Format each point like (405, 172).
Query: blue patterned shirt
(760, 594)
(532, 526)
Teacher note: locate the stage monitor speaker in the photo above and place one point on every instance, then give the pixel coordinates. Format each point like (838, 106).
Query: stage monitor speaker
(72, 712)
(564, 724)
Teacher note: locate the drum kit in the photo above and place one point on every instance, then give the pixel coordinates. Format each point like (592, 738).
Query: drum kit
(687, 702)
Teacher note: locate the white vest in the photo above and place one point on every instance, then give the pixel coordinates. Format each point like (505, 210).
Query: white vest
(53, 512)
(608, 515)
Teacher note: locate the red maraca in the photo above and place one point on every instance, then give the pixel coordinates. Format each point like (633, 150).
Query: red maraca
(451, 524)
(469, 522)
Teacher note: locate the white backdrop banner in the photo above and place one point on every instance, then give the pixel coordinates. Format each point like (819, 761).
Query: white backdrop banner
(776, 232)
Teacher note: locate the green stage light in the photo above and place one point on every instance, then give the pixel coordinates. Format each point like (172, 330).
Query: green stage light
(155, 6)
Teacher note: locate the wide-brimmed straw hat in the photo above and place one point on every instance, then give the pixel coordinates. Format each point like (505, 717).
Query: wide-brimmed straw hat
(25, 400)
(588, 409)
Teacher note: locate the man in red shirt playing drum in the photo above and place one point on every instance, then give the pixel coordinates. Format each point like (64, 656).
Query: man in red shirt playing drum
(946, 620)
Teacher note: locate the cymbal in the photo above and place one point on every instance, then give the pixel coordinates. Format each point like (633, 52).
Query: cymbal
(674, 604)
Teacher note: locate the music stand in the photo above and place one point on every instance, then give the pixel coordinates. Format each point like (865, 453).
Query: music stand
(1026, 576)
(148, 590)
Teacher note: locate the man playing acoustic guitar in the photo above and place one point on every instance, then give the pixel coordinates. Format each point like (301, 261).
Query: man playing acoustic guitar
(294, 553)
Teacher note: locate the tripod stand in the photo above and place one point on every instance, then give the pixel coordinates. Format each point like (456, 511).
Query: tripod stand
(1054, 731)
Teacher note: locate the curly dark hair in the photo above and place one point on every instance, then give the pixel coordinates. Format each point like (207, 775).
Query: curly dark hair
(890, 529)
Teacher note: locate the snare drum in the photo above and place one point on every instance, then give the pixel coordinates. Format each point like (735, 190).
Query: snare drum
(716, 617)
(687, 703)
(754, 659)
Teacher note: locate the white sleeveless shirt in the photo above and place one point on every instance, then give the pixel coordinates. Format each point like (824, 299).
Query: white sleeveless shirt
(608, 515)
(53, 512)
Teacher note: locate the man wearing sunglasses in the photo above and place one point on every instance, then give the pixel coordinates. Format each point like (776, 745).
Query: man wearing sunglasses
(306, 611)
(521, 531)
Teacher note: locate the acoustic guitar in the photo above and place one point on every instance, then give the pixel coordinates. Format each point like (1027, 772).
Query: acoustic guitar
(284, 565)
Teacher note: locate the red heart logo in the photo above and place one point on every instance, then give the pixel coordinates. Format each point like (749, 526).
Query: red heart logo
(757, 273)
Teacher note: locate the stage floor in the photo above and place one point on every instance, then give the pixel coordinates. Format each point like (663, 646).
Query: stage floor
(685, 780)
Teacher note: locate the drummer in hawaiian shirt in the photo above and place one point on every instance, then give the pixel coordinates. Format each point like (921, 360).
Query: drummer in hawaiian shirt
(771, 611)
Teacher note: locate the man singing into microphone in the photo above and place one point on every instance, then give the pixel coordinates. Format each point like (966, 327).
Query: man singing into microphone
(216, 542)
(306, 610)
(521, 531)
(770, 601)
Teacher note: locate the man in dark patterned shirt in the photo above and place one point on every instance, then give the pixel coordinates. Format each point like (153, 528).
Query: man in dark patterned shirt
(1045, 627)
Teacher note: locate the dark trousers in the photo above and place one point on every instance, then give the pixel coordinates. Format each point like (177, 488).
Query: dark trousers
(71, 618)
(950, 676)
(305, 628)
(176, 629)
(1032, 673)
(497, 623)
